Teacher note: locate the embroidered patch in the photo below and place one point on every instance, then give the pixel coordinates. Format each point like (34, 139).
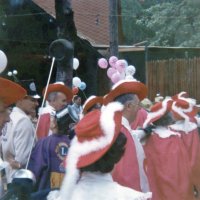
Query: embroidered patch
(61, 150)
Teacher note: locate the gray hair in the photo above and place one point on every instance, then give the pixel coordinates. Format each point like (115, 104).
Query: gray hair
(124, 98)
(52, 96)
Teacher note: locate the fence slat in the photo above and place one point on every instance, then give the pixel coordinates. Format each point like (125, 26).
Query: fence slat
(172, 76)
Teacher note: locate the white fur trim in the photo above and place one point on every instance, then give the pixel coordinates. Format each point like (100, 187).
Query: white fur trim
(160, 112)
(181, 93)
(182, 126)
(191, 102)
(123, 81)
(78, 149)
(47, 109)
(88, 99)
(164, 132)
(180, 112)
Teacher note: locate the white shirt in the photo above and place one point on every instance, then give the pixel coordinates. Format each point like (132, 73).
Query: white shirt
(136, 135)
(17, 139)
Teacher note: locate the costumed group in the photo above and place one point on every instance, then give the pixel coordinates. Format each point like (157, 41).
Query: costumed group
(110, 148)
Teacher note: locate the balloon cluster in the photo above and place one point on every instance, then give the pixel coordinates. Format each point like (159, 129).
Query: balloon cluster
(78, 84)
(3, 61)
(76, 81)
(118, 69)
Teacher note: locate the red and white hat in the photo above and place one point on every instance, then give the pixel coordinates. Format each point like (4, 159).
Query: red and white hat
(184, 108)
(157, 111)
(90, 102)
(58, 87)
(180, 95)
(95, 134)
(125, 87)
(10, 92)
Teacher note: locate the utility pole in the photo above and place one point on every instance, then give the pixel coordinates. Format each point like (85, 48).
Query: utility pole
(113, 26)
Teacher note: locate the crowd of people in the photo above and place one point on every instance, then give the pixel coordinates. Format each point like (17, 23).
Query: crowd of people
(117, 146)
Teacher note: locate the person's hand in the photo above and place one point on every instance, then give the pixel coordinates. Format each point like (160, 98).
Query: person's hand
(11, 160)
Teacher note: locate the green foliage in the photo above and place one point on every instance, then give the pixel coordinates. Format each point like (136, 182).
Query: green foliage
(172, 24)
(131, 10)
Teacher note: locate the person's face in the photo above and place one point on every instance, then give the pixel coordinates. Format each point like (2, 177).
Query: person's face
(131, 109)
(4, 115)
(60, 101)
(78, 101)
(28, 104)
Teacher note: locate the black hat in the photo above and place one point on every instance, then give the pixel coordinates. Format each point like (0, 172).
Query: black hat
(30, 87)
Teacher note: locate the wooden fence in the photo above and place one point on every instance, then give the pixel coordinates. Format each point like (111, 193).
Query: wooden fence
(168, 77)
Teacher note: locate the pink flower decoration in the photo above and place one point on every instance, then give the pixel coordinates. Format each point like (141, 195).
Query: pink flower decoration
(102, 62)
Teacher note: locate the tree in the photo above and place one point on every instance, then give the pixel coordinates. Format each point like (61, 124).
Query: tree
(172, 24)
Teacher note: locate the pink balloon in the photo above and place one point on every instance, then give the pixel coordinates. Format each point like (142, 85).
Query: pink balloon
(115, 77)
(102, 62)
(113, 60)
(111, 71)
(120, 66)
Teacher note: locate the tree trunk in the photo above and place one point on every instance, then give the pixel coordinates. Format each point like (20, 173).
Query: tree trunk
(66, 30)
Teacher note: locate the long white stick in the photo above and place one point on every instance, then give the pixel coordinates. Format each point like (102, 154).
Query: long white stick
(43, 101)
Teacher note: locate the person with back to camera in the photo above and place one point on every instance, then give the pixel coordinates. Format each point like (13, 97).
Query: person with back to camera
(168, 165)
(46, 161)
(131, 170)
(96, 148)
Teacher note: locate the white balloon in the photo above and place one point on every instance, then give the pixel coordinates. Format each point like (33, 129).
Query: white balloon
(76, 81)
(75, 63)
(3, 61)
(130, 70)
(9, 73)
(15, 72)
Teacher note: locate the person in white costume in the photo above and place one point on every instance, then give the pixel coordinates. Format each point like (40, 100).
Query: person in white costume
(95, 149)
(18, 134)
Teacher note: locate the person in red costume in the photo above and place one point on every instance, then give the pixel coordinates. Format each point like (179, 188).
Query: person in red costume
(58, 96)
(185, 110)
(167, 160)
(130, 171)
(141, 114)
